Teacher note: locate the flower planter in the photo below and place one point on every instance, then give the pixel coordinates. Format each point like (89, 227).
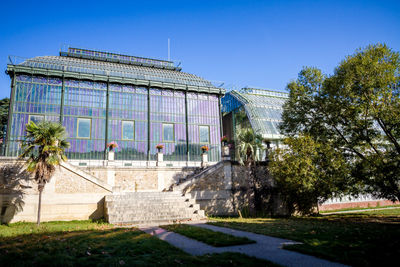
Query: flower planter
(111, 155)
(160, 159)
(204, 160)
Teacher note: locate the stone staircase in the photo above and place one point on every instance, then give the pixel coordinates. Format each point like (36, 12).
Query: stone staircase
(151, 208)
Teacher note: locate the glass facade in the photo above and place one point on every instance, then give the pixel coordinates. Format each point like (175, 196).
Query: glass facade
(203, 110)
(167, 127)
(127, 121)
(137, 118)
(35, 98)
(84, 117)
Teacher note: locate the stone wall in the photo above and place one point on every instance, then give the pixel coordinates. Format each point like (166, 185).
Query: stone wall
(230, 189)
(140, 179)
(68, 196)
(78, 193)
(75, 193)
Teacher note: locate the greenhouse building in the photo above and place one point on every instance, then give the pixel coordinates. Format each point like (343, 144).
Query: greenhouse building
(256, 108)
(103, 97)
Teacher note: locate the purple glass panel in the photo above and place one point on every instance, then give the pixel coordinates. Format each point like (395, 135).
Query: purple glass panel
(56, 81)
(141, 90)
(154, 91)
(115, 87)
(72, 83)
(24, 78)
(39, 79)
(129, 88)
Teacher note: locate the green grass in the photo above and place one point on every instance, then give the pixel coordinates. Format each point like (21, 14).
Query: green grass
(216, 239)
(99, 244)
(363, 239)
(384, 212)
(357, 208)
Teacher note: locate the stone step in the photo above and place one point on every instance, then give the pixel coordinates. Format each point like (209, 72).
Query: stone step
(156, 222)
(147, 201)
(128, 205)
(177, 211)
(147, 194)
(148, 209)
(114, 219)
(151, 207)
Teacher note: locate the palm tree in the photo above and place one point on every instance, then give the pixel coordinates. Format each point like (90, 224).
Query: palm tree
(43, 148)
(250, 144)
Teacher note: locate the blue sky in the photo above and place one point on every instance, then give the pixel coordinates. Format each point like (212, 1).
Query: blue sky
(243, 43)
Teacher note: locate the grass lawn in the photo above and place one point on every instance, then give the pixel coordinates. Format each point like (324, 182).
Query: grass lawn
(369, 208)
(359, 239)
(216, 239)
(84, 243)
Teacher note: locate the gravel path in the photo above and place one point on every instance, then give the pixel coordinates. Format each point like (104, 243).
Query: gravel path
(268, 248)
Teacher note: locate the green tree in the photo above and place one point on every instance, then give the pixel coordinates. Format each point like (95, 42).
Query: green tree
(308, 173)
(249, 148)
(357, 110)
(4, 106)
(43, 147)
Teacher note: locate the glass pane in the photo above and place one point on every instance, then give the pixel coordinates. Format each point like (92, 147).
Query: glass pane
(127, 130)
(168, 132)
(204, 134)
(84, 128)
(36, 118)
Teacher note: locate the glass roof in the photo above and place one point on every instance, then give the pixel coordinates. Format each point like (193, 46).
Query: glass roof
(263, 108)
(112, 69)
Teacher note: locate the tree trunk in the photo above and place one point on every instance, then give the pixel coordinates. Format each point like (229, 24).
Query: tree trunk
(40, 187)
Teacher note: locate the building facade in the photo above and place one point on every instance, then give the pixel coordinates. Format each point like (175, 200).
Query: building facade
(102, 97)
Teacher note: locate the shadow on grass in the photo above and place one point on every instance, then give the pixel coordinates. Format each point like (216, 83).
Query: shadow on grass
(109, 247)
(359, 240)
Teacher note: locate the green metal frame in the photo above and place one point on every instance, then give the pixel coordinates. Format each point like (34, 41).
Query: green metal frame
(187, 128)
(10, 114)
(62, 100)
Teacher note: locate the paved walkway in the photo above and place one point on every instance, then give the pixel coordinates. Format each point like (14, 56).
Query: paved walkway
(354, 211)
(268, 248)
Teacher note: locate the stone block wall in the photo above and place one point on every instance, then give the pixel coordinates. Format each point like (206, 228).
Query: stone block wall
(231, 189)
(140, 179)
(67, 196)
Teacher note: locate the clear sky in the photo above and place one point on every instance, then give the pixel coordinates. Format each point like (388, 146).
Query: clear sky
(242, 43)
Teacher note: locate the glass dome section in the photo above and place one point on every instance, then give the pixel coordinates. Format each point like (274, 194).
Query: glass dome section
(263, 108)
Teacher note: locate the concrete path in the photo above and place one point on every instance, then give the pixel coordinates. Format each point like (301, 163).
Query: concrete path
(268, 248)
(356, 211)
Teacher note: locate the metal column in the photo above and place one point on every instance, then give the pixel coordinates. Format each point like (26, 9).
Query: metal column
(10, 114)
(62, 100)
(187, 128)
(107, 111)
(148, 124)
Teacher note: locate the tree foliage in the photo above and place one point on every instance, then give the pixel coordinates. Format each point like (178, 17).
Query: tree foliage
(357, 111)
(44, 147)
(308, 173)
